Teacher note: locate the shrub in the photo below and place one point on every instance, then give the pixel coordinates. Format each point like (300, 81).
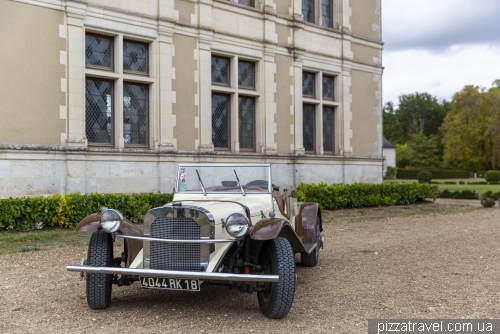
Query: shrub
(461, 182)
(488, 202)
(424, 176)
(491, 194)
(68, 210)
(391, 173)
(449, 182)
(492, 175)
(466, 194)
(357, 195)
(407, 174)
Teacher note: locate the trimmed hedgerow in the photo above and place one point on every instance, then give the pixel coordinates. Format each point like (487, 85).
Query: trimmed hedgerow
(358, 195)
(67, 210)
(436, 174)
(465, 194)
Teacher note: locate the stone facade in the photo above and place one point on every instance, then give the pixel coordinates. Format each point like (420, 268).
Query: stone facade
(44, 142)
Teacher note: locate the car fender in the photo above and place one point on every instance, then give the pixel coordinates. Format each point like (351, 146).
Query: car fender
(92, 223)
(306, 222)
(270, 228)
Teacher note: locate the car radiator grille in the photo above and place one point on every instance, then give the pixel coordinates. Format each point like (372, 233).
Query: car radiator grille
(170, 256)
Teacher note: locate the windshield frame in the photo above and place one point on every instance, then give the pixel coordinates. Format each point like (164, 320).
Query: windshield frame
(180, 165)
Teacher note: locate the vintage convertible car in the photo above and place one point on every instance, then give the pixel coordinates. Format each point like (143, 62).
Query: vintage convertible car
(227, 225)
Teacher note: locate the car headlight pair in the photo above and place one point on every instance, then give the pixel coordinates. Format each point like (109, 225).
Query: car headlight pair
(111, 220)
(237, 225)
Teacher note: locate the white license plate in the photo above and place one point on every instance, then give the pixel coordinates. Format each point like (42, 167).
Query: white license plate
(170, 283)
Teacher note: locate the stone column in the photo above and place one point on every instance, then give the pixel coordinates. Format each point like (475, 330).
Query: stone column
(75, 13)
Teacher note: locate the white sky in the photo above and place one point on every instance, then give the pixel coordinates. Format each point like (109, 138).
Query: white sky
(439, 46)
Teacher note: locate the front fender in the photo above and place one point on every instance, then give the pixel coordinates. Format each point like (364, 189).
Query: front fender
(92, 223)
(270, 228)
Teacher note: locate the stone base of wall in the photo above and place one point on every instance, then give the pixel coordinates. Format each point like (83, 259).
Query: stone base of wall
(27, 172)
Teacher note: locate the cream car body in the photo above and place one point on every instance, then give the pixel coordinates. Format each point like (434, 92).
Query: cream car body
(227, 225)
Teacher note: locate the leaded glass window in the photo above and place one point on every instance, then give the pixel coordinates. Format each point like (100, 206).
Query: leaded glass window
(327, 13)
(246, 74)
(328, 87)
(328, 129)
(220, 70)
(99, 111)
(246, 122)
(135, 56)
(135, 114)
(308, 84)
(246, 2)
(220, 120)
(308, 126)
(98, 51)
(308, 10)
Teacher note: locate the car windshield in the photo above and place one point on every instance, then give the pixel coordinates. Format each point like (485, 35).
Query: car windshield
(223, 178)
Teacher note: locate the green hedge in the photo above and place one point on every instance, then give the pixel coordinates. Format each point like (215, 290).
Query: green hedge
(409, 174)
(68, 210)
(466, 194)
(358, 195)
(492, 175)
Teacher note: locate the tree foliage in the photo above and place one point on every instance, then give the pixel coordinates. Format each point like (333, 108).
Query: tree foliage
(472, 129)
(416, 113)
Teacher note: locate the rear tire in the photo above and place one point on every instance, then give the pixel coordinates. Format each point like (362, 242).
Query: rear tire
(312, 259)
(278, 258)
(99, 285)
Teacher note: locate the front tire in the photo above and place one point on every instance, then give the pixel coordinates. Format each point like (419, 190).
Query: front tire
(276, 298)
(99, 285)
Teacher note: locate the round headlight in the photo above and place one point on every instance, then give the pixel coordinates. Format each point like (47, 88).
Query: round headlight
(111, 220)
(237, 225)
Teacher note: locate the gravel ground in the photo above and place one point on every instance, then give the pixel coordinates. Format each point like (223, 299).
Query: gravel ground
(429, 266)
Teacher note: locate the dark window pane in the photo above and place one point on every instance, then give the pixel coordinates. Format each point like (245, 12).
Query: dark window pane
(327, 13)
(220, 70)
(308, 128)
(220, 120)
(308, 10)
(98, 111)
(135, 56)
(246, 117)
(328, 92)
(246, 2)
(328, 129)
(308, 84)
(98, 50)
(135, 114)
(246, 74)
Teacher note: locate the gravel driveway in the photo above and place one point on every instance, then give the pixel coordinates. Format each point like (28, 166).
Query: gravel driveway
(429, 266)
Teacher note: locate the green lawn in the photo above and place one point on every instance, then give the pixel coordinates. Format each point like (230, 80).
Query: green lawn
(15, 242)
(479, 188)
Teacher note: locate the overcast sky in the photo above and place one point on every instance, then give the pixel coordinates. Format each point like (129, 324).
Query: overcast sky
(439, 46)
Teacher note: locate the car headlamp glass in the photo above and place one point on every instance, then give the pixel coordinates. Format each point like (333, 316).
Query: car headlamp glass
(111, 220)
(237, 225)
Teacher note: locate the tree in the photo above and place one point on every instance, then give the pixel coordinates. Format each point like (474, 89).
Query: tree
(424, 152)
(472, 129)
(392, 128)
(420, 113)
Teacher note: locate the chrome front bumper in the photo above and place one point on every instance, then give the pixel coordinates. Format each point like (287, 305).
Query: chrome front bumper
(175, 274)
